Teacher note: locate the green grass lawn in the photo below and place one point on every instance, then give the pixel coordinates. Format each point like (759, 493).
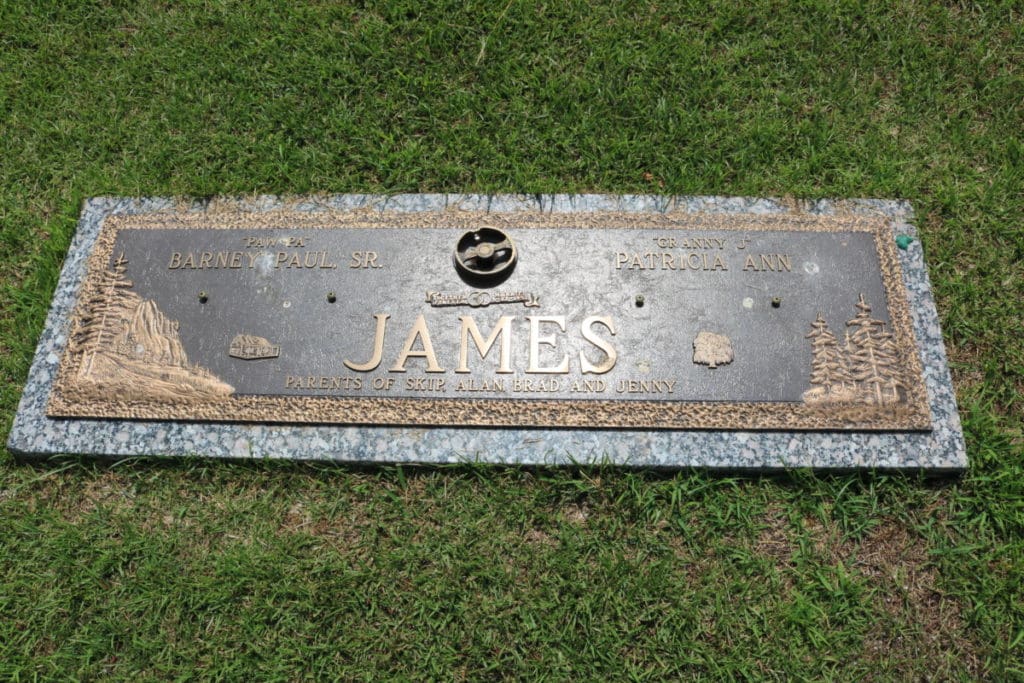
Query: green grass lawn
(151, 570)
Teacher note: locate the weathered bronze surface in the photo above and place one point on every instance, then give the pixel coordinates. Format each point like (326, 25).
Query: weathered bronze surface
(464, 318)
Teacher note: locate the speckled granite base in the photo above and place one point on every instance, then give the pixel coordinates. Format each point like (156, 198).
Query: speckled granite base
(941, 450)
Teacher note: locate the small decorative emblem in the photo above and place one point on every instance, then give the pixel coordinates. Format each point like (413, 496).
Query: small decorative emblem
(712, 349)
(248, 347)
(483, 256)
(482, 299)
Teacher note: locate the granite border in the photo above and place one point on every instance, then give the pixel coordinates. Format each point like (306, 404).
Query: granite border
(942, 450)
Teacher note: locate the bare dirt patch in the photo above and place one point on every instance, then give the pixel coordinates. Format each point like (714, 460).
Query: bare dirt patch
(576, 514)
(538, 537)
(774, 540)
(922, 623)
(917, 624)
(75, 496)
(342, 531)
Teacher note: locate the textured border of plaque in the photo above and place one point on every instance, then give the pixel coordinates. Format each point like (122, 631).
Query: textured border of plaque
(871, 380)
(61, 413)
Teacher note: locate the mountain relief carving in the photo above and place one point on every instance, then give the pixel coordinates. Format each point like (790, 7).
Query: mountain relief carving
(132, 351)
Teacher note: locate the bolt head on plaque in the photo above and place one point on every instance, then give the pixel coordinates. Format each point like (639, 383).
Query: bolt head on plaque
(484, 257)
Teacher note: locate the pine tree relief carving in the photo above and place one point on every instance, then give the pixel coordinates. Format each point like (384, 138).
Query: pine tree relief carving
(866, 369)
(132, 351)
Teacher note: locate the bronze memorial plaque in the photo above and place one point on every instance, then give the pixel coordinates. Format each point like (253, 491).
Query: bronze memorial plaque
(464, 318)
